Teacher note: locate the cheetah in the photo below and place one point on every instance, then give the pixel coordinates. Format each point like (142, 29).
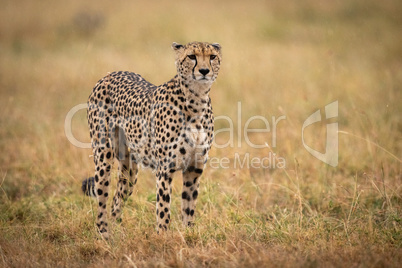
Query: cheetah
(166, 128)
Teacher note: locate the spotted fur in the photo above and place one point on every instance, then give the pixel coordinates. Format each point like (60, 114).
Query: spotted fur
(166, 128)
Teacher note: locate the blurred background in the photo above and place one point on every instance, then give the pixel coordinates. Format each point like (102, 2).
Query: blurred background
(279, 58)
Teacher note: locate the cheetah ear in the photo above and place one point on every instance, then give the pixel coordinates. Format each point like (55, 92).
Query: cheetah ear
(177, 46)
(216, 46)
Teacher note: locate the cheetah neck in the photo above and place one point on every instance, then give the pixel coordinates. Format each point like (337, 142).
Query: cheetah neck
(196, 94)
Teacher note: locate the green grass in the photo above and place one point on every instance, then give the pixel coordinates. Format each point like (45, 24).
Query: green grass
(279, 59)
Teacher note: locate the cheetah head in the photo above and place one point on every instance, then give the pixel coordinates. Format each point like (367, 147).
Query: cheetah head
(198, 62)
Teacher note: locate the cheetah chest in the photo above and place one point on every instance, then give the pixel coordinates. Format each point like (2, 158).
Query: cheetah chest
(195, 143)
(197, 134)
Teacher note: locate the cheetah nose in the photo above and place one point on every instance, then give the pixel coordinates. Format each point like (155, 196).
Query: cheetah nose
(204, 71)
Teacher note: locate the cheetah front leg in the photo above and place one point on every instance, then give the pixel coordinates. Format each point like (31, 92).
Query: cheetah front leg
(191, 183)
(163, 194)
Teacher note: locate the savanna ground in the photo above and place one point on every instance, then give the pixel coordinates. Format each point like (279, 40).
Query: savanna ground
(280, 59)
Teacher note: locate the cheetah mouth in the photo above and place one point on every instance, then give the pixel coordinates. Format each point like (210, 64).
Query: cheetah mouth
(203, 79)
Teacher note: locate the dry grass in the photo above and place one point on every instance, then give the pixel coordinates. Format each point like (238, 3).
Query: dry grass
(279, 59)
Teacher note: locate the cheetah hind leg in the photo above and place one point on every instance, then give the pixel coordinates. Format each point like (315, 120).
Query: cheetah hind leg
(127, 176)
(97, 187)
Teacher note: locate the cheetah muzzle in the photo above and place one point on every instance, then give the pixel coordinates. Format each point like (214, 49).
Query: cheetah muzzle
(166, 128)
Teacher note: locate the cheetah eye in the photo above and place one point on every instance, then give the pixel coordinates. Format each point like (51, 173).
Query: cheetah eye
(212, 57)
(191, 57)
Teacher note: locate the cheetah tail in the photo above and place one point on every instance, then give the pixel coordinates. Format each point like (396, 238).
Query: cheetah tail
(88, 187)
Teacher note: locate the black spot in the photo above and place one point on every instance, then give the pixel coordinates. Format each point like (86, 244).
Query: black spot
(198, 170)
(187, 211)
(191, 169)
(100, 192)
(195, 194)
(108, 155)
(188, 183)
(162, 214)
(102, 172)
(182, 150)
(192, 212)
(184, 195)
